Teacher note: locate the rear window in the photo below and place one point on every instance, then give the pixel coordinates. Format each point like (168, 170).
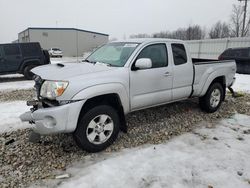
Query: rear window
(29, 49)
(179, 53)
(11, 49)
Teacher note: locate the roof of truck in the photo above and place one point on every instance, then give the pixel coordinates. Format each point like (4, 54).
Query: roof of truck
(146, 40)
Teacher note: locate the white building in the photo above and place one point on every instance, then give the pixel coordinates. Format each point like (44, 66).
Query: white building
(73, 42)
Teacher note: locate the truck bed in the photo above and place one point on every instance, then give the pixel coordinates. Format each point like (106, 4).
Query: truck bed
(204, 70)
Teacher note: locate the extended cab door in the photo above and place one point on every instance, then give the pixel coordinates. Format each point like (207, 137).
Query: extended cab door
(151, 87)
(12, 57)
(183, 72)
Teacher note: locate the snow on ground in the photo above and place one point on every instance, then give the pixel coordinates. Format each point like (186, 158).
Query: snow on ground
(9, 118)
(11, 76)
(17, 85)
(242, 83)
(65, 59)
(218, 157)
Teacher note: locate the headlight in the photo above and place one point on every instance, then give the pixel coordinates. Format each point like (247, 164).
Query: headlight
(53, 89)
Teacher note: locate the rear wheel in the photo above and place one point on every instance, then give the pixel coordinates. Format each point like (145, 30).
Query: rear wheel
(212, 100)
(27, 73)
(97, 129)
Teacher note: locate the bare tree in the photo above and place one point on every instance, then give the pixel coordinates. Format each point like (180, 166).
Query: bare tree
(219, 30)
(237, 17)
(162, 34)
(144, 35)
(179, 34)
(195, 33)
(191, 33)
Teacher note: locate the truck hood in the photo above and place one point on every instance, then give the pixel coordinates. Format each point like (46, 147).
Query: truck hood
(64, 71)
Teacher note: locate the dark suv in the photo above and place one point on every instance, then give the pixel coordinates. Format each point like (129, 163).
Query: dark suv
(21, 58)
(241, 57)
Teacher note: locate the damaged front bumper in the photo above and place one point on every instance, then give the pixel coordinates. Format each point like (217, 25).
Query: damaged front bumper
(54, 119)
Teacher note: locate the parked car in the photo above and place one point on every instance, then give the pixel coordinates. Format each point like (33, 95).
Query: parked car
(90, 99)
(241, 56)
(21, 58)
(55, 52)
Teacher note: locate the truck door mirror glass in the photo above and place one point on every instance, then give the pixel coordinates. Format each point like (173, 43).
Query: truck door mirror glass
(143, 63)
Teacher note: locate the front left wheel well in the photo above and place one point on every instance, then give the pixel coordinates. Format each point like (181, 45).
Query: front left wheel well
(112, 100)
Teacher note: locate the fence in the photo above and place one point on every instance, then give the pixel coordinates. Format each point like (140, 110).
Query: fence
(212, 48)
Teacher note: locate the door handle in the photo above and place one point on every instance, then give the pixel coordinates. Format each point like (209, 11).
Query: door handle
(167, 74)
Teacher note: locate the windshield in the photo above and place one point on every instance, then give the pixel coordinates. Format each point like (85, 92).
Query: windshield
(114, 54)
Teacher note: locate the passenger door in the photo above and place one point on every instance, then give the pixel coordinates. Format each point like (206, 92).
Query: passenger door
(183, 72)
(12, 57)
(151, 87)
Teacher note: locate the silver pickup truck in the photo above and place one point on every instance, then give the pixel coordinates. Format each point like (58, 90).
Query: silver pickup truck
(90, 99)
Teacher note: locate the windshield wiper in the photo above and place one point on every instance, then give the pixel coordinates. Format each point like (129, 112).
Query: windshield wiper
(86, 60)
(94, 62)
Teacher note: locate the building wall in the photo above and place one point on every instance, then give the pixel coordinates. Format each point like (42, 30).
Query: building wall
(71, 42)
(24, 36)
(63, 39)
(89, 41)
(212, 48)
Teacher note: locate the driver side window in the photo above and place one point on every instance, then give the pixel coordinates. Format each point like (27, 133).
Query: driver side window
(157, 53)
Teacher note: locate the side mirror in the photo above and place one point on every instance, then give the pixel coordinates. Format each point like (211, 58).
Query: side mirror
(143, 63)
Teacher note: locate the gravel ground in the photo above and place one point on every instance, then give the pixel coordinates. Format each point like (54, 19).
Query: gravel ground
(17, 95)
(23, 163)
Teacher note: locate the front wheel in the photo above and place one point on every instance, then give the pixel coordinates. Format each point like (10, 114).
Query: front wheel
(97, 129)
(212, 100)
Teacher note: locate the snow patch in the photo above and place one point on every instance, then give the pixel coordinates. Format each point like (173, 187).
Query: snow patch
(10, 86)
(242, 83)
(11, 76)
(10, 112)
(186, 161)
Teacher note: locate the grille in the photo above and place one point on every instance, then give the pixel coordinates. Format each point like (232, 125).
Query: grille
(38, 84)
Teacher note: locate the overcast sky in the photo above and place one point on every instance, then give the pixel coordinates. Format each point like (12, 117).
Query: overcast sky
(118, 18)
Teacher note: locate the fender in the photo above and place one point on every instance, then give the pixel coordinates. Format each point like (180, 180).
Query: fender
(102, 89)
(34, 61)
(209, 80)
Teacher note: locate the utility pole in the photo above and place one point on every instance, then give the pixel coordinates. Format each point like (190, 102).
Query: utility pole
(244, 18)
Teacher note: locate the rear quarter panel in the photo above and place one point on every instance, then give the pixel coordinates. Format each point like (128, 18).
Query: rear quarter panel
(207, 72)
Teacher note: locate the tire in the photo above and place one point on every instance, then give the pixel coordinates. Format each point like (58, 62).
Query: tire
(27, 73)
(46, 57)
(91, 133)
(212, 100)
